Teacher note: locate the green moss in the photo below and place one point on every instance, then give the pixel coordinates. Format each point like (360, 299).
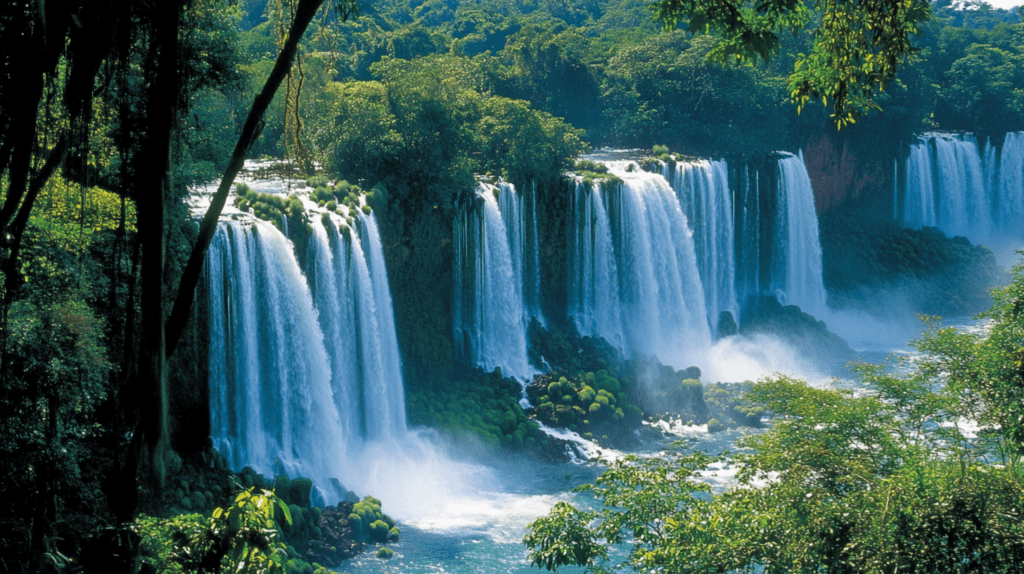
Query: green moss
(385, 553)
(316, 181)
(379, 531)
(715, 426)
(591, 166)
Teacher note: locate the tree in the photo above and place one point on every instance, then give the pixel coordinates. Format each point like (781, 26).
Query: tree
(980, 91)
(138, 55)
(887, 482)
(858, 47)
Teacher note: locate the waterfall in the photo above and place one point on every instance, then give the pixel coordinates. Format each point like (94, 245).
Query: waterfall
(703, 190)
(635, 276)
(953, 184)
(490, 311)
(301, 372)
(531, 276)
(748, 243)
(1010, 181)
(594, 298)
(796, 273)
(271, 402)
(357, 319)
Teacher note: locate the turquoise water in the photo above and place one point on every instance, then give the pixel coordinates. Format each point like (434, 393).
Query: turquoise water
(482, 529)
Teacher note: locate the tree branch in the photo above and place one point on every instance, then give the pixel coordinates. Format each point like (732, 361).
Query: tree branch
(190, 277)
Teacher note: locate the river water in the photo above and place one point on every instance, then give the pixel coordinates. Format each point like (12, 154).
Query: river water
(482, 529)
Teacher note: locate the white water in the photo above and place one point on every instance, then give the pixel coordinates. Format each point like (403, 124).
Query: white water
(351, 289)
(594, 283)
(285, 399)
(271, 400)
(955, 185)
(797, 273)
(493, 255)
(703, 190)
(635, 279)
(641, 276)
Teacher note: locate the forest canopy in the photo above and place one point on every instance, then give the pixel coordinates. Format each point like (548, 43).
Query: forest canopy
(111, 111)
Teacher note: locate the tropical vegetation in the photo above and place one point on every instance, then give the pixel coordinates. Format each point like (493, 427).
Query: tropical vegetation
(111, 111)
(920, 474)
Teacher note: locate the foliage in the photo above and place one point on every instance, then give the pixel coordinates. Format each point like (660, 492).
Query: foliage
(987, 373)
(984, 91)
(241, 538)
(858, 47)
(479, 410)
(593, 404)
(643, 503)
(887, 481)
(57, 374)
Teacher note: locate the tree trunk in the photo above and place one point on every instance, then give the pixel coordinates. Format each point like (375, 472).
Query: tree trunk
(190, 277)
(152, 186)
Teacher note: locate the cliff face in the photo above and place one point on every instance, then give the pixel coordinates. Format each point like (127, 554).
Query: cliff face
(842, 172)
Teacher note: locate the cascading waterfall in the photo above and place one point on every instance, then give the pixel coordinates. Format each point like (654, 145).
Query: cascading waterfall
(952, 185)
(491, 314)
(703, 190)
(531, 276)
(748, 224)
(1010, 181)
(271, 401)
(285, 399)
(635, 276)
(351, 289)
(797, 272)
(594, 299)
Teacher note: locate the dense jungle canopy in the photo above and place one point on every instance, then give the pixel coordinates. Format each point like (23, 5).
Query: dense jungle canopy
(111, 110)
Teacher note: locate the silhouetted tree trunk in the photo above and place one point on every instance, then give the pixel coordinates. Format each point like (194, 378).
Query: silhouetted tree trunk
(304, 13)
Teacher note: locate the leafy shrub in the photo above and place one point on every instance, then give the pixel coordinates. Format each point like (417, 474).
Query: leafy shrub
(316, 181)
(241, 539)
(585, 165)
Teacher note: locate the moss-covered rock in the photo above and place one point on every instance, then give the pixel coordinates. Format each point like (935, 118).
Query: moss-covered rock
(385, 553)
(300, 492)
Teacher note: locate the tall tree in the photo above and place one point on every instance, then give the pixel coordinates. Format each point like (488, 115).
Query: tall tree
(82, 49)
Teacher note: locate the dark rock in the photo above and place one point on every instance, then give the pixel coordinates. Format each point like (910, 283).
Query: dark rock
(336, 541)
(764, 314)
(726, 324)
